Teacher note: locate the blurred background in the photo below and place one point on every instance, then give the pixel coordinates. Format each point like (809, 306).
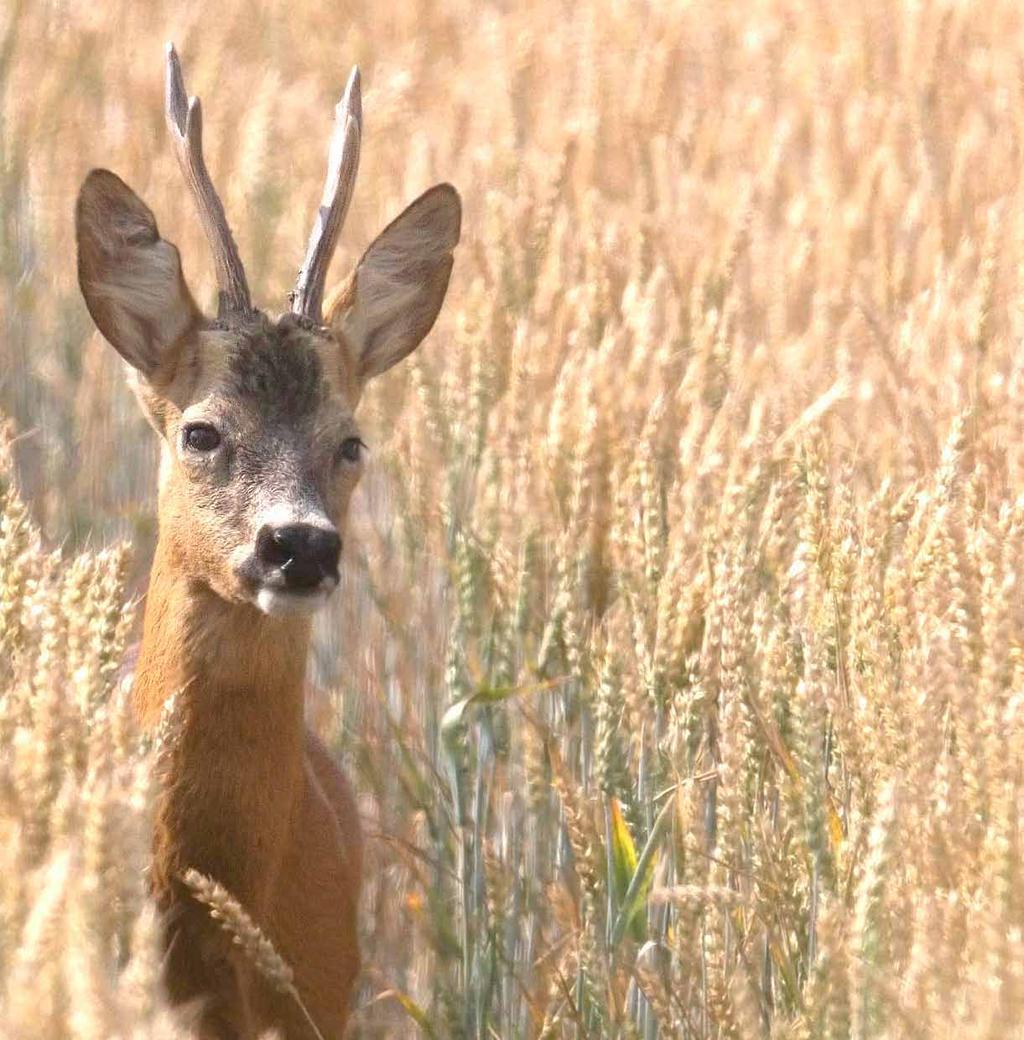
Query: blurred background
(682, 576)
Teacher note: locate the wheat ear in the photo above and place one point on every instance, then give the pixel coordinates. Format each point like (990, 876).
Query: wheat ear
(247, 934)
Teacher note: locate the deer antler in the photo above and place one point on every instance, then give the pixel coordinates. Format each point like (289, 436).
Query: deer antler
(342, 166)
(185, 122)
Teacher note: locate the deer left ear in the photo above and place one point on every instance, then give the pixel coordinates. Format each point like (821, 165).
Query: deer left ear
(395, 293)
(130, 277)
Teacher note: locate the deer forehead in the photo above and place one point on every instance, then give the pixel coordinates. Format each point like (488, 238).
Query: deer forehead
(274, 375)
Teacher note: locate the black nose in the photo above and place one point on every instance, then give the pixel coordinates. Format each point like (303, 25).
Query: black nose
(304, 553)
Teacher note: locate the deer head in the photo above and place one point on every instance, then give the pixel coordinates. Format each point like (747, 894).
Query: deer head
(260, 447)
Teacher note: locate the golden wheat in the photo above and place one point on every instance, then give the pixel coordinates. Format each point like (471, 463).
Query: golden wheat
(679, 654)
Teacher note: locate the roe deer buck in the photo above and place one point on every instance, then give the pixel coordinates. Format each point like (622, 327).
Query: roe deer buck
(260, 453)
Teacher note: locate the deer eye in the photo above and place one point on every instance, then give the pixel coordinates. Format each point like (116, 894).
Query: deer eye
(351, 449)
(200, 437)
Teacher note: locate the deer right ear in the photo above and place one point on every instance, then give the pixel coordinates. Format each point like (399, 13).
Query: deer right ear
(130, 277)
(397, 289)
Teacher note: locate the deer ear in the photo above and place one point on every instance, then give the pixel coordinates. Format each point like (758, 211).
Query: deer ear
(130, 277)
(394, 295)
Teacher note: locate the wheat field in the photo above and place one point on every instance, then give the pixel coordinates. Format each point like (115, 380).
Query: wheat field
(679, 655)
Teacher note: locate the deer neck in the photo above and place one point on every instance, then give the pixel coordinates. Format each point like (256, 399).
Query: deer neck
(235, 771)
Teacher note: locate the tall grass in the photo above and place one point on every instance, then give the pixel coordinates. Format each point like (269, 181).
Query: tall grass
(678, 656)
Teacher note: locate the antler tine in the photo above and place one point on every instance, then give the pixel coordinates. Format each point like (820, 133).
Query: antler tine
(342, 166)
(185, 122)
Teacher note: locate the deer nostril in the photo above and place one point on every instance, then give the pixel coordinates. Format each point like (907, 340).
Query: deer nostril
(273, 546)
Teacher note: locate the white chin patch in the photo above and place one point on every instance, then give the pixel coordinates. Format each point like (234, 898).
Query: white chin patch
(278, 603)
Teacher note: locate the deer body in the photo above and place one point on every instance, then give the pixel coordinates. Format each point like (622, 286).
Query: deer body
(260, 454)
(253, 800)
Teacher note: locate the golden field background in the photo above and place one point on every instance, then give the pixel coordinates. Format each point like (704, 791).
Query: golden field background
(678, 657)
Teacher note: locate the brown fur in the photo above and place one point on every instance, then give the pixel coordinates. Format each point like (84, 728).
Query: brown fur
(252, 799)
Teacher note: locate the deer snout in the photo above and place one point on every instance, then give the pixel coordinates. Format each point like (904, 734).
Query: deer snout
(303, 554)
